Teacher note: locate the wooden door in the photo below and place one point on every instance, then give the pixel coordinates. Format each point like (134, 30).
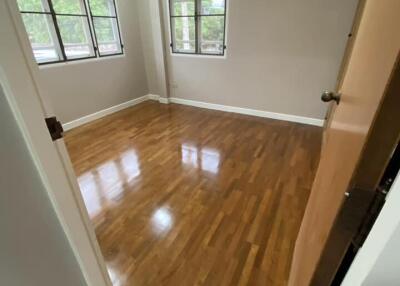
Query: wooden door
(369, 69)
(345, 62)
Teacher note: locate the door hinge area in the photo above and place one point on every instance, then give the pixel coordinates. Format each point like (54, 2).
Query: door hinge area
(55, 128)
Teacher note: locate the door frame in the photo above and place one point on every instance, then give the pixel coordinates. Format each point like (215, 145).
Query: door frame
(382, 232)
(50, 158)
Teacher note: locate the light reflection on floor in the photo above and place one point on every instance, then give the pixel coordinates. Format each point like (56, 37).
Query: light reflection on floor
(207, 158)
(162, 221)
(90, 193)
(189, 155)
(105, 185)
(210, 160)
(116, 278)
(130, 164)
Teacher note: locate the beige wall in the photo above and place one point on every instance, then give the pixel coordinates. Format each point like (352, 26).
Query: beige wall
(82, 88)
(153, 46)
(281, 54)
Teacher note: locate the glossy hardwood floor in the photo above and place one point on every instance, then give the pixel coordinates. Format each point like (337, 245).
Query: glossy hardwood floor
(186, 196)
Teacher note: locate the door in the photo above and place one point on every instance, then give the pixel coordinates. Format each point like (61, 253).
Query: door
(369, 69)
(345, 62)
(17, 78)
(39, 238)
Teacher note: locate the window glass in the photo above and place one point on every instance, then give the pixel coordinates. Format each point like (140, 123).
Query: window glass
(40, 33)
(107, 35)
(201, 33)
(66, 31)
(102, 7)
(68, 7)
(184, 34)
(212, 7)
(31, 5)
(183, 7)
(212, 34)
(75, 32)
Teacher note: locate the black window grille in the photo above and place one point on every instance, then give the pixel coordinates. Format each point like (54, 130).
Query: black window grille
(69, 30)
(198, 26)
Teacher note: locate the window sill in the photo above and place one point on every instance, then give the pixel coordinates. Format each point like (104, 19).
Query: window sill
(84, 61)
(217, 57)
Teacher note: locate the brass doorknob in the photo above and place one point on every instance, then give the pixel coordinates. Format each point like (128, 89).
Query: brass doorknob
(328, 96)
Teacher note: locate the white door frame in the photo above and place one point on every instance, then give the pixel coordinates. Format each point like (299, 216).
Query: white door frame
(380, 236)
(18, 75)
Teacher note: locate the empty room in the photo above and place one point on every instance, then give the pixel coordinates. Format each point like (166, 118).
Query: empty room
(199, 142)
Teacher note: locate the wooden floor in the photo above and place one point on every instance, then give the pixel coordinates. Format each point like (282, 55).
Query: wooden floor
(187, 196)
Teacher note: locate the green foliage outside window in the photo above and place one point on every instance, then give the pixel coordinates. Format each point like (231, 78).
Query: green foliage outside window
(101, 7)
(104, 30)
(30, 5)
(211, 28)
(67, 7)
(36, 27)
(72, 28)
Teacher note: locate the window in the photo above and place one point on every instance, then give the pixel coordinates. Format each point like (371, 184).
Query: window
(198, 26)
(62, 30)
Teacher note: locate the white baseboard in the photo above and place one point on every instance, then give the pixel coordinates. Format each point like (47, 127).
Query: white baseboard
(247, 111)
(226, 108)
(88, 118)
(163, 100)
(153, 97)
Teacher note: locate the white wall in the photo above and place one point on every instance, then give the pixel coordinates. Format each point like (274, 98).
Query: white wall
(80, 88)
(33, 247)
(386, 269)
(281, 54)
(378, 261)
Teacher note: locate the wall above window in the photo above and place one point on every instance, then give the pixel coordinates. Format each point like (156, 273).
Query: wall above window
(198, 26)
(69, 30)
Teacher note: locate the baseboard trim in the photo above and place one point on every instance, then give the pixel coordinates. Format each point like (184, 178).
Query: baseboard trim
(153, 97)
(99, 114)
(260, 113)
(247, 111)
(163, 100)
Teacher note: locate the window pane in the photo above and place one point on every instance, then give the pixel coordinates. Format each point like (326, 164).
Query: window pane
(75, 35)
(183, 32)
(107, 35)
(212, 7)
(102, 7)
(182, 7)
(212, 34)
(68, 7)
(31, 5)
(39, 28)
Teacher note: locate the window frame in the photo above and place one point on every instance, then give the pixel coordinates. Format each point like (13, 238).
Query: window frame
(92, 17)
(57, 38)
(197, 21)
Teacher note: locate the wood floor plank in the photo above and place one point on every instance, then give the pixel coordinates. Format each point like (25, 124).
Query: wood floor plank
(185, 196)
